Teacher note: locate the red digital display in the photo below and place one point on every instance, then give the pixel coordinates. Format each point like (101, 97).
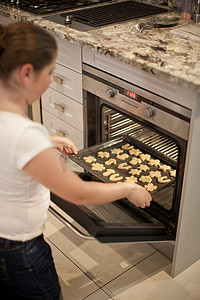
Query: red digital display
(131, 94)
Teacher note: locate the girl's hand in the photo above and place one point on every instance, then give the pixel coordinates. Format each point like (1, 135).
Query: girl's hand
(64, 145)
(139, 196)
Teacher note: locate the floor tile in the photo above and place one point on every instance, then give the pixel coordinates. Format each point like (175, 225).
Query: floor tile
(150, 280)
(74, 283)
(98, 295)
(101, 262)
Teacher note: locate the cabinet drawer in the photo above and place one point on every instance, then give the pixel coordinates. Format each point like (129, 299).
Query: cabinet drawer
(58, 127)
(69, 55)
(55, 126)
(64, 108)
(67, 82)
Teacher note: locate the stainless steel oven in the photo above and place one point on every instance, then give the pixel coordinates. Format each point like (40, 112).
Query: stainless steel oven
(120, 115)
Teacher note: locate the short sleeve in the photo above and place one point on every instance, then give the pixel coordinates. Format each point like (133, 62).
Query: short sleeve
(33, 140)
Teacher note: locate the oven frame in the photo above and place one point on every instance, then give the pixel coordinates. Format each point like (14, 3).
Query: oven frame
(159, 229)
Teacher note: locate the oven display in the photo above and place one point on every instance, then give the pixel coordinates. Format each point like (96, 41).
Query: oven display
(130, 94)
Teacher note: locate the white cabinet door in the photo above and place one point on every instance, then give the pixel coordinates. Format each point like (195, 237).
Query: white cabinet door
(69, 55)
(58, 127)
(64, 108)
(68, 83)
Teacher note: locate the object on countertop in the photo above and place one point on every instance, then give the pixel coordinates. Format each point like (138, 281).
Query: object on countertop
(187, 9)
(190, 32)
(196, 14)
(156, 22)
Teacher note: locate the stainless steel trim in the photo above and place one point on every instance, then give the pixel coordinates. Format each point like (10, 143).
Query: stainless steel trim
(63, 217)
(144, 93)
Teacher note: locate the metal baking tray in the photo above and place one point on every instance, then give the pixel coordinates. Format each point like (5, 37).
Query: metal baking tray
(118, 143)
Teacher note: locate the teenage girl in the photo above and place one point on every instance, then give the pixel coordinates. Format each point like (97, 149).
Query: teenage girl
(30, 167)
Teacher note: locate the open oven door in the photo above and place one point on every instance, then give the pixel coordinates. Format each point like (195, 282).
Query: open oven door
(122, 221)
(115, 222)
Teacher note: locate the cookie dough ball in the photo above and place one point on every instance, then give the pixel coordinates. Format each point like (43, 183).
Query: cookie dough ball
(150, 187)
(116, 177)
(124, 166)
(98, 167)
(164, 179)
(116, 151)
(122, 156)
(108, 172)
(135, 172)
(145, 178)
(156, 174)
(89, 159)
(131, 179)
(102, 154)
(110, 161)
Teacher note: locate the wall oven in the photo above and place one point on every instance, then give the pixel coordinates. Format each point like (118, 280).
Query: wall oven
(120, 115)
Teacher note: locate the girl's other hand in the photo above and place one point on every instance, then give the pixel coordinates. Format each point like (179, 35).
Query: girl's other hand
(64, 145)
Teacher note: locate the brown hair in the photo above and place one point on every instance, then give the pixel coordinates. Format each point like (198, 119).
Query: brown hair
(22, 43)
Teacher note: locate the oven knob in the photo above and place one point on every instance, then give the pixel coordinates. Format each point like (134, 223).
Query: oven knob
(68, 19)
(151, 111)
(111, 93)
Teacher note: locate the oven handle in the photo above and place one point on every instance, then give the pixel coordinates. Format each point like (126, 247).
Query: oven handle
(73, 228)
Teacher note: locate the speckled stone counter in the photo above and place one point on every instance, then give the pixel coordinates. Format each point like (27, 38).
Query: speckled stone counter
(155, 51)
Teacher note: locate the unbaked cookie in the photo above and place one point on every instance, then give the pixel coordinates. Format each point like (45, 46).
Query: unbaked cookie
(150, 187)
(124, 166)
(135, 161)
(156, 174)
(108, 172)
(154, 162)
(89, 159)
(164, 179)
(98, 167)
(173, 173)
(165, 168)
(122, 156)
(143, 167)
(127, 147)
(103, 154)
(135, 172)
(145, 156)
(135, 152)
(116, 177)
(145, 178)
(116, 151)
(131, 179)
(110, 161)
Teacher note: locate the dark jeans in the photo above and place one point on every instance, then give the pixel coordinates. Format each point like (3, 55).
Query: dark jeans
(27, 270)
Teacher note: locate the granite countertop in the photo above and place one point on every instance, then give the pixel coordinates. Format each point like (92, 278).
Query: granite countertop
(155, 51)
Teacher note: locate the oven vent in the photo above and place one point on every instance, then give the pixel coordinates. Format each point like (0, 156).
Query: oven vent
(116, 124)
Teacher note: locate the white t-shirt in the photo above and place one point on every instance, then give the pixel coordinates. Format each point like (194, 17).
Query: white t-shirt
(23, 201)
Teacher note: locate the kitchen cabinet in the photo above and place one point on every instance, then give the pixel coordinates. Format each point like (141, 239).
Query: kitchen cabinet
(62, 103)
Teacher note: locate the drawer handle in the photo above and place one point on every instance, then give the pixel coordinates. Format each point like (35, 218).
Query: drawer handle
(60, 133)
(57, 80)
(59, 107)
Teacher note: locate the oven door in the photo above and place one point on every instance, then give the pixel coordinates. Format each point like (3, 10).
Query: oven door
(125, 224)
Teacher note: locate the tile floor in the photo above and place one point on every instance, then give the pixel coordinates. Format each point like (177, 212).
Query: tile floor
(89, 270)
